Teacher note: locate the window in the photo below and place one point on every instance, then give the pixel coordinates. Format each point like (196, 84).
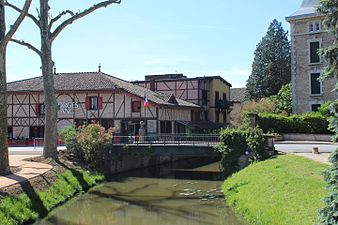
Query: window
(93, 103)
(314, 56)
(204, 97)
(311, 27)
(224, 96)
(136, 106)
(314, 26)
(10, 132)
(36, 132)
(317, 26)
(314, 107)
(165, 127)
(316, 86)
(41, 109)
(152, 85)
(216, 98)
(217, 116)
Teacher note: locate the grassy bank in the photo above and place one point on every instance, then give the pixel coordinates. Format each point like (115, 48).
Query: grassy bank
(285, 190)
(30, 205)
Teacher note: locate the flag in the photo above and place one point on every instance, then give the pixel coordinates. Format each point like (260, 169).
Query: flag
(145, 102)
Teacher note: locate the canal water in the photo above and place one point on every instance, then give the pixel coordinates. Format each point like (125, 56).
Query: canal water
(181, 193)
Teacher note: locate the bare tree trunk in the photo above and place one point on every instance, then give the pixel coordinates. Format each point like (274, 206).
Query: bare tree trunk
(4, 163)
(50, 145)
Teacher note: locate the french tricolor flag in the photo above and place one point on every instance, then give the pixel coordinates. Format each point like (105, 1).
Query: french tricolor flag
(145, 102)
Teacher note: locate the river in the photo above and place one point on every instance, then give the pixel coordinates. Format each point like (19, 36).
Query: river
(181, 193)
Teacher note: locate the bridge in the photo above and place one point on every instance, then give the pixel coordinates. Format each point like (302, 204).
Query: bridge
(168, 145)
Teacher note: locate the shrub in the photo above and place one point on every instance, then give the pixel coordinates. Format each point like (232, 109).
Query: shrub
(89, 143)
(262, 105)
(94, 142)
(238, 142)
(312, 123)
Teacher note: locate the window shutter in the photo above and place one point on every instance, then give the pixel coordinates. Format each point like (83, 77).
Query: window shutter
(87, 103)
(99, 102)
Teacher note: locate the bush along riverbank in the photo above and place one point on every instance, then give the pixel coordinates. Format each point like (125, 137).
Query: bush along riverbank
(32, 204)
(284, 190)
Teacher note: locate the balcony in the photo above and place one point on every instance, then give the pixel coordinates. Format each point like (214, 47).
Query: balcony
(223, 104)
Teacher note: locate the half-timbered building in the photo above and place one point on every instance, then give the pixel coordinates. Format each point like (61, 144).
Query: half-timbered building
(95, 96)
(211, 93)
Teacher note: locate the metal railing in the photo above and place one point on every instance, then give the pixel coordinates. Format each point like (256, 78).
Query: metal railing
(169, 139)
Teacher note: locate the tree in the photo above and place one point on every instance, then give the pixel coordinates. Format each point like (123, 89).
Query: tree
(48, 35)
(4, 39)
(283, 99)
(328, 214)
(271, 68)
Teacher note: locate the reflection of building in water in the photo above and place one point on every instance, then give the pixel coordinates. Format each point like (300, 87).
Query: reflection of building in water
(95, 97)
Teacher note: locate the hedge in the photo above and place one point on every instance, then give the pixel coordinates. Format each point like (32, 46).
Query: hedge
(237, 142)
(309, 123)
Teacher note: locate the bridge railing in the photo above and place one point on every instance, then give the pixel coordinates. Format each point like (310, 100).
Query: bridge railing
(168, 139)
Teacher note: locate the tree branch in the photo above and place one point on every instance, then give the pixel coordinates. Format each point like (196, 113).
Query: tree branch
(16, 24)
(30, 46)
(79, 15)
(59, 16)
(35, 20)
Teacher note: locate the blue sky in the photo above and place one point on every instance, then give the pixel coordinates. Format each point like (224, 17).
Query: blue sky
(135, 38)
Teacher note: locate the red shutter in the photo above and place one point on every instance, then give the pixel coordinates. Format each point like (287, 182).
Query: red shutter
(37, 109)
(87, 103)
(99, 102)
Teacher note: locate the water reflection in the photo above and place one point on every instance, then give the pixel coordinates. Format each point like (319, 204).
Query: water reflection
(143, 199)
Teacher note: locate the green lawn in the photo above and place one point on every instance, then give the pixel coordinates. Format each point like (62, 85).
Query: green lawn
(31, 205)
(285, 190)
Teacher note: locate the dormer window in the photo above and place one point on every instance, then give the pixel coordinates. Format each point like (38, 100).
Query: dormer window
(314, 26)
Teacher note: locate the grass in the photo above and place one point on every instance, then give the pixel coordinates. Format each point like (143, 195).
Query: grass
(29, 206)
(285, 190)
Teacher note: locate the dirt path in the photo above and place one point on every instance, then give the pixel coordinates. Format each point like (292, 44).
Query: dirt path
(26, 170)
(322, 157)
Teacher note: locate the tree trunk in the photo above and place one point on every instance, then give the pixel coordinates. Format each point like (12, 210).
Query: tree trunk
(50, 145)
(4, 163)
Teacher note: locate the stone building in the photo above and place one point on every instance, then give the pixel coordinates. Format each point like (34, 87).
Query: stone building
(307, 36)
(211, 93)
(95, 96)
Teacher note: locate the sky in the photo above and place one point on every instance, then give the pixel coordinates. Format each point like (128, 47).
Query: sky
(138, 38)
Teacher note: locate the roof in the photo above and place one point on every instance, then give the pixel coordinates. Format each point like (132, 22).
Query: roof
(89, 81)
(185, 78)
(237, 94)
(307, 9)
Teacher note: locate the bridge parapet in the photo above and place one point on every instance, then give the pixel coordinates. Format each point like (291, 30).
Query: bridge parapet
(177, 139)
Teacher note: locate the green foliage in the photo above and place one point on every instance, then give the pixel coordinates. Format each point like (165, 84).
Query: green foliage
(271, 68)
(283, 99)
(90, 144)
(236, 142)
(285, 190)
(329, 213)
(328, 8)
(309, 123)
(28, 207)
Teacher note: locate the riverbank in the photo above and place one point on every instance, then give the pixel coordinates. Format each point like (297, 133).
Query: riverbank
(284, 190)
(34, 198)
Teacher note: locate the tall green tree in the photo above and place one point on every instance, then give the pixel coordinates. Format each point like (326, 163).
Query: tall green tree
(50, 28)
(271, 68)
(5, 37)
(283, 99)
(329, 8)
